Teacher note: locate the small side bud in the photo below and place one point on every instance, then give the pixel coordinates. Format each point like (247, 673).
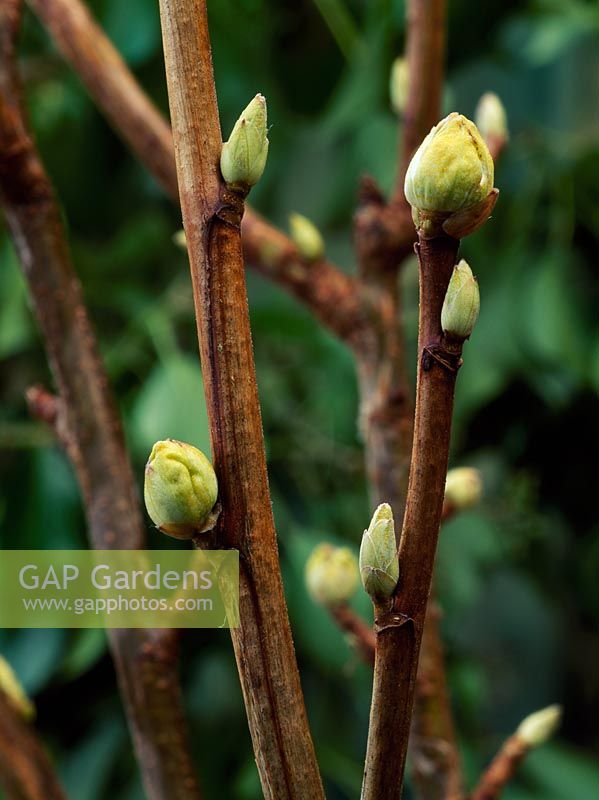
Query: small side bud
(243, 156)
(11, 686)
(180, 489)
(463, 488)
(491, 119)
(399, 85)
(379, 564)
(180, 239)
(331, 574)
(306, 237)
(461, 304)
(538, 728)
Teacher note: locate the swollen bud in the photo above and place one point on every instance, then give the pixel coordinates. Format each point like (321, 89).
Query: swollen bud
(451, 172)
(243, 156)
(306, 237)
(538, 728)
(331, 574)
(399, 84)
(379, 564)
(11, 686)
(180, 489)
(461, 304)
(463, 488)
(491, 118)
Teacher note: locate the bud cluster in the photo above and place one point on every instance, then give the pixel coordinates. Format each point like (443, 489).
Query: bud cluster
(331, 574)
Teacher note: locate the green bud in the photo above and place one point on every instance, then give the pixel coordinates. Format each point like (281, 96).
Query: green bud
(491, 118)
(180, 239)
(538, 728)
(463, 488)
(306, 237)
(11, 686)
(379, 564)
(399, 85)
(450, 173)
(331, 574)
(461, 304)
(243, 157)
(180, 489)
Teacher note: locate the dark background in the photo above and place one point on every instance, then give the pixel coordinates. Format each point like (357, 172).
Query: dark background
(518, 577)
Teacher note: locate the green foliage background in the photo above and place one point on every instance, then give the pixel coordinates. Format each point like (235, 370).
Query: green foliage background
(519, 576)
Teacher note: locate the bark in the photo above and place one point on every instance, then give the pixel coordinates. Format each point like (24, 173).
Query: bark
(88, 425)
(26, 772)
(399, 627)
(212, 216)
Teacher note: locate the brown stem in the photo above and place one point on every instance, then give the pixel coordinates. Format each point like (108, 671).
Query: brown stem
(212, 216)
(361, 634)
(501, 770)
(435, 763)
(88, 424)
(26, 772)
(332, 295)
(426, 57)
(399, 628)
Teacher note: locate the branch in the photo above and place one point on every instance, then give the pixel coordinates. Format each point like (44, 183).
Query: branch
(26, 772)
(426, 58)
(502, 769)
(212, 216)
(399, 629)
(384, 230)
(361, 634)
(328, 292)
(87, 423)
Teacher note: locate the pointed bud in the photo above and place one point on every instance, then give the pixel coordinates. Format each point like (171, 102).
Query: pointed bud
(461, 304)
(463, 488)
(379, 565)
(180, 239)
(180, 489)
(399, 85)
(491, 118)
(11, 686)
(538, 728)
(331, 574)
(306, 237)
(243, 156)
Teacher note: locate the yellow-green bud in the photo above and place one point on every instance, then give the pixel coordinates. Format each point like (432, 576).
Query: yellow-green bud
(379, 564)
(180, 489)
(538, 728)
(490, 116)
(331, 574)
(306, 237)
(180, 239)
(449, 182)
(451, 170)
(461, 304)
(463, 488)
(11, 686)
(243, 156)
(399, 85)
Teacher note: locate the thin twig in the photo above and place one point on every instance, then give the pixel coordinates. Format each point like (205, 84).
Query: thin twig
(212, 217)
(333, 296)
(360, 633)
(501, 770)
(26, 772)
(87, 423)
(399, 628)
